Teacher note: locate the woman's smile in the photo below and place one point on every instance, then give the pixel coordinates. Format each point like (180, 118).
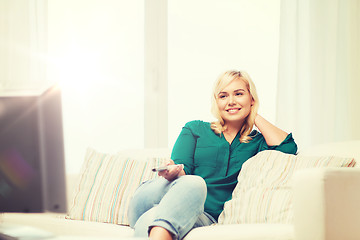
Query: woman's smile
(233, 110)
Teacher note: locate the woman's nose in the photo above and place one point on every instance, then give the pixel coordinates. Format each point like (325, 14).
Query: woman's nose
(231, 100)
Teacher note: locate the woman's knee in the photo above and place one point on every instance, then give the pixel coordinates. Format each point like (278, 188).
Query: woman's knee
(197, 182)
(194, 185)
(194, 181)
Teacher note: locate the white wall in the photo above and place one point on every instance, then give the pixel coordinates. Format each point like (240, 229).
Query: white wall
(207, 37)
(96, 53)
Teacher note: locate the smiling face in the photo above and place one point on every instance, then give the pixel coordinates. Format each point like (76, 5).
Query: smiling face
(234, 102)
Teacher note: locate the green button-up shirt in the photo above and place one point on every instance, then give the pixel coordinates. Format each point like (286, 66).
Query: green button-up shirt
(210, 156)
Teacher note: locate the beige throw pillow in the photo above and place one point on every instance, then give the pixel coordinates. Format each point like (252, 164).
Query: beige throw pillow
(263, 193)
(107, 183)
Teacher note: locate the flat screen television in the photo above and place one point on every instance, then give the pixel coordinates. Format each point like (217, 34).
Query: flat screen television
(32, 166)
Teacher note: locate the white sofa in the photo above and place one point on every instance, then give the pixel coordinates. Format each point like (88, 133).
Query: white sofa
(326, 207)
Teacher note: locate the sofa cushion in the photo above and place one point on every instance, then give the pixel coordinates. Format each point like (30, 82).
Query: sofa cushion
(58, 225)
(243, 232)
(107, 183)
(263, 193)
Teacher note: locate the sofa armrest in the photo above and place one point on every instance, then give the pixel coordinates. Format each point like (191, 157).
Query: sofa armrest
(327, 204)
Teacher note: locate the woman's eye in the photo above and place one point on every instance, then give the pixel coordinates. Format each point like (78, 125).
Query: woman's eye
(239, 94)
(222, 96)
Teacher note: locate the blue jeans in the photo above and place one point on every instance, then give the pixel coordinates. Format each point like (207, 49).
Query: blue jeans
(177, 206)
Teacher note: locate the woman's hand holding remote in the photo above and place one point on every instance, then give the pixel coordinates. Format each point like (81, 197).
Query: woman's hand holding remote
(173, 171)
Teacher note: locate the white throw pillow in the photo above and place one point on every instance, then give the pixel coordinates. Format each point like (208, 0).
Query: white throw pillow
(107, 183)
(263, 193)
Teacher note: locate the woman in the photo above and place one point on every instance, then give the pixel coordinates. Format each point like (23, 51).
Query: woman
(209, 157)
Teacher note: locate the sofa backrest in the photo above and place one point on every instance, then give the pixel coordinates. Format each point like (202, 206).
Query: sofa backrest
(340, 149)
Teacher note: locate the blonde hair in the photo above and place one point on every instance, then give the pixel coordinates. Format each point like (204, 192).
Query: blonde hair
(225, 79)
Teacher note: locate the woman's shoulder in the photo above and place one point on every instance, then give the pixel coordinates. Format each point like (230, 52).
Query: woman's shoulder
(197, 123)
(198, 126)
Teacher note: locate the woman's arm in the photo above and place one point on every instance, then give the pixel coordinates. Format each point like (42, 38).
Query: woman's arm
(182, 153)
(272, 134)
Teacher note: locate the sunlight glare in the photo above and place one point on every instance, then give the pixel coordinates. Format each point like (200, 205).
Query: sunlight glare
(77, 69)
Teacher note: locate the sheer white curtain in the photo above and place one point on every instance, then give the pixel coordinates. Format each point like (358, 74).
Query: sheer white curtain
(319, 70)
(23, 43)
(95, 51)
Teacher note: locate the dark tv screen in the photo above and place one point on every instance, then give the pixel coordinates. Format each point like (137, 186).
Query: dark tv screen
(32, 165)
